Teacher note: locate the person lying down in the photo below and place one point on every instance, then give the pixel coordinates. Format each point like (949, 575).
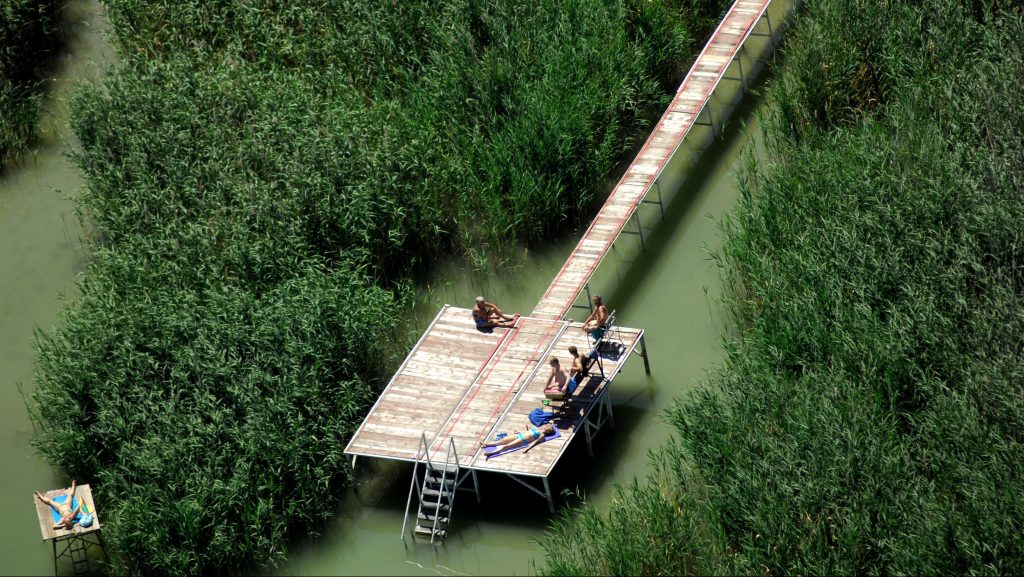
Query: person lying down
(529, 439)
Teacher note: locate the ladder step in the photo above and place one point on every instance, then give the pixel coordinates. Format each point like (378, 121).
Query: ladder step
(438, 470)
(434, 505)
(430, 518)
(436, 494)
(436, 485)
(428, 532)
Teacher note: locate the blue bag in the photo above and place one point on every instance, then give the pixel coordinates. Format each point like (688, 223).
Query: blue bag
(540, 417)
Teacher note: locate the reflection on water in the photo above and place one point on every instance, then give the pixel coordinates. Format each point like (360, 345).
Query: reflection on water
(40, 254)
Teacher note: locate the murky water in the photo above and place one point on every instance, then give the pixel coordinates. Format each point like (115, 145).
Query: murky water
(40, 254)
(667, 289)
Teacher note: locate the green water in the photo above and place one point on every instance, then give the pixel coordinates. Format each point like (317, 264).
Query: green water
(669, 290)
(40, 255)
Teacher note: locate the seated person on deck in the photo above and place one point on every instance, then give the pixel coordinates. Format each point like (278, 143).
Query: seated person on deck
(487, 315)
(560, 385)
(67, 514)
(532, 437)
(594, 325)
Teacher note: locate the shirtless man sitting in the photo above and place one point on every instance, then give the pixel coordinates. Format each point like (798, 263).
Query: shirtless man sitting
(595, 323)
(560, 385)
(487, 315)
(67, 514)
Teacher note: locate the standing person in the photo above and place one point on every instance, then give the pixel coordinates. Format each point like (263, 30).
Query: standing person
(67, 514)
(487, 315)
(595, 323)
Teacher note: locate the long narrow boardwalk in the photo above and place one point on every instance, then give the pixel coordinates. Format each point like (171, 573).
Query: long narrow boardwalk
(460, 386)
(691, 99)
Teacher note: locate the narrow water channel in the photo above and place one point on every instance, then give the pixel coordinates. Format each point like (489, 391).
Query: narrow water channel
(669, 289)
(40, 255)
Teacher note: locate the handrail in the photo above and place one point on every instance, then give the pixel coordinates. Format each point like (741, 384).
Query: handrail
(412, 482)
(444, 487)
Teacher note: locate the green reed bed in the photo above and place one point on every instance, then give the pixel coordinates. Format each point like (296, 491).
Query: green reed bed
(868, 416)
(264, 180)
(28, 35)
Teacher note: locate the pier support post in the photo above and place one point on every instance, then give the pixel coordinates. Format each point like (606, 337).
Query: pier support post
(476, 485)
(643, 354)
(586, 429)
(739, 60)
(608, 406)
(639, 230)
(711, 116)
(547, 493)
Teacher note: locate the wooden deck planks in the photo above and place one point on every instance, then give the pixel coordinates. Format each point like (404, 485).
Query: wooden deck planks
(675, 124)
(542, 459)
(462, 385)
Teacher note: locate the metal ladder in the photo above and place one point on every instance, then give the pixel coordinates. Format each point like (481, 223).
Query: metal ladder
(436, 493)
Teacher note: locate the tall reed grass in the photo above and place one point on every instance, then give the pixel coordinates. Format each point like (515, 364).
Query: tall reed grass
(868, 416)
(28, 37)
(265, 179)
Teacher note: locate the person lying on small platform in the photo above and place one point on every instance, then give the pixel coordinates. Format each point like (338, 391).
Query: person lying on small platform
(530, 439)
(487, 315)
(67, 514)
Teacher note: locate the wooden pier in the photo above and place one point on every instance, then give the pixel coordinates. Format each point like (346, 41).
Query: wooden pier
(460, 386)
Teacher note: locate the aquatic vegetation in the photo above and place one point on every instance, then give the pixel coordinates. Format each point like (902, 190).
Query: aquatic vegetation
(867, 418)
(28, 35)
(265, 181)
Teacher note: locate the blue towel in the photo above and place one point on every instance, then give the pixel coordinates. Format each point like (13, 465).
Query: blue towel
(539, 416)
(61, 499)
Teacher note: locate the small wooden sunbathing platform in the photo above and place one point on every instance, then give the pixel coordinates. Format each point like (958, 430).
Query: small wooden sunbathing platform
(460, 386)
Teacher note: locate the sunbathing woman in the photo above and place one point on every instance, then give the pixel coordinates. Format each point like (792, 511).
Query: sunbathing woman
(67, 514)
(533, 437)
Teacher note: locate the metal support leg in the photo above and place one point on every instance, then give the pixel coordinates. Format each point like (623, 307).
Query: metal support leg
(586, 429)
(611, 416)
(643, 354)
(661, 204)
(639, 230)
(711, 116)
(547, 493)
(476, 485)
(769, 19)
(590, 300)
(739, 60)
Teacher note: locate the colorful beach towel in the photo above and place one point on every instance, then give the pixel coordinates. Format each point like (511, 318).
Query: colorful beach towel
(501, 449)
(61, 499)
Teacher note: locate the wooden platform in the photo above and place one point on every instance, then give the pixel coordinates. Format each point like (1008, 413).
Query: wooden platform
(460, 385)
(83, 492)
(691, 99)
(463, 385)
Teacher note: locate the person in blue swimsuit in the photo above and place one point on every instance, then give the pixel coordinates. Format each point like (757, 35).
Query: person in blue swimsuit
(531, 438)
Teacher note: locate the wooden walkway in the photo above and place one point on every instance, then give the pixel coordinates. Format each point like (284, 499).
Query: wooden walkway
(460, 386)
(691, 99)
